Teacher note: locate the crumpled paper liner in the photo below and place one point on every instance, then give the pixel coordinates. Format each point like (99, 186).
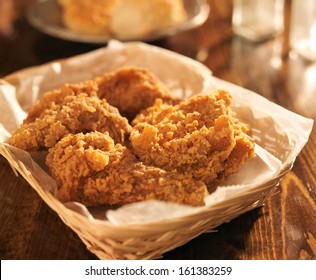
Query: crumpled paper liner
(279, 134)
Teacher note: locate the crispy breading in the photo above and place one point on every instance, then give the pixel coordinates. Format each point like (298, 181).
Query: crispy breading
(200, 136)
(128, 88)
(243, 150)
(91, 169)
(57, 97)
(77, 113)
(132, 89)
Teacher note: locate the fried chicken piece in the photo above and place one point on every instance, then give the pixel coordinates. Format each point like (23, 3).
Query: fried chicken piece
(200, 136)
(132, 89)
(243, 150)
(57, 97)
(81, 113)
(91, 169)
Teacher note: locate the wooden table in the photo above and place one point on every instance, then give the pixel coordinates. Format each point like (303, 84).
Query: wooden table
(284, 228)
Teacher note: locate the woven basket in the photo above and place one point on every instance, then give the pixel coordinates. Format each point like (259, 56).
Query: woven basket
(151, 239)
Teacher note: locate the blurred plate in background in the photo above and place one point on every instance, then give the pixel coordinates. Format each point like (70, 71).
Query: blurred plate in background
(45, 15)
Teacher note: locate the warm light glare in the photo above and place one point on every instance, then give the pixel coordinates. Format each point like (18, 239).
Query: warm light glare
(312, 42)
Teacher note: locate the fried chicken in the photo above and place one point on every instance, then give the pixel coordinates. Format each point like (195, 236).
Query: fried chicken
(76, 113)
(200, 136)
(131, 89)
(61, 111)
(57, 97)
(243, 150)
(174, 151)
(91, 169)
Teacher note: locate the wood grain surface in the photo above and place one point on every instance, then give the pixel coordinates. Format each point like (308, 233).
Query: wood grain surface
(283, 229)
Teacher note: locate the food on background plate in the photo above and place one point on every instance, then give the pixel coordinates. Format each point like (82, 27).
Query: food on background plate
(86, 16)
(167, 149)
(137, 18)
(123, 19)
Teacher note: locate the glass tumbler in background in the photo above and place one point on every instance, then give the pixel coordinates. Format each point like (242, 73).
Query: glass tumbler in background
(303, 28)
(258, 20)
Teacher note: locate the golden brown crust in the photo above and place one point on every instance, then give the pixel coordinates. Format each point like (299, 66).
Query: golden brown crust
(79, 113)
(61, 111)
(243, 150)
(132, 89)
(199, 136)
(90, 169)
(57, 97)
